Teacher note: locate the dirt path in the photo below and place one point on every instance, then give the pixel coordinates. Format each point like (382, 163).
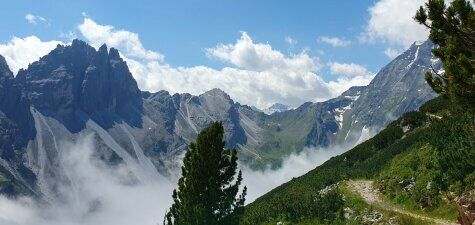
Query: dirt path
(372, 196)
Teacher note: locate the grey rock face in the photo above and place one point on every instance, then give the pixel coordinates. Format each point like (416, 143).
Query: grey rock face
(71, 84)
(79, 78)
(108, 87)
(14, 176)
(398, 88)
(11, 139)
(10, 102)
(187, 115)
(6, 82)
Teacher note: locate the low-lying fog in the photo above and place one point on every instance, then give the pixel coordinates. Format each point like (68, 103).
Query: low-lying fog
(101, 194)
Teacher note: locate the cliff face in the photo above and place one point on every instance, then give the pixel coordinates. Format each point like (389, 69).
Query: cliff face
(79, 78)
(398, 88)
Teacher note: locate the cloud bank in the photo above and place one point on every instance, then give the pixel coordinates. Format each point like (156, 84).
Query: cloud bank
(99, 193)
(260, 182)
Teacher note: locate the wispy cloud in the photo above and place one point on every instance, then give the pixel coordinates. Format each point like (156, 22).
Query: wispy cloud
(290, 41)
(32, 19)
(334, 41)
(260, 182)
(69, 35)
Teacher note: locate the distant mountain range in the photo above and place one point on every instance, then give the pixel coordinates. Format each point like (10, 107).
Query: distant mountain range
(77, 89)
(277, 107)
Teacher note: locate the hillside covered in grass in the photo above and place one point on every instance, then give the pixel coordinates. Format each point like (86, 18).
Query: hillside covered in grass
(422, 161)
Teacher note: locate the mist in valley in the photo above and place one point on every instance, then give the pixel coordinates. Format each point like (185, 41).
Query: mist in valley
(100, 193)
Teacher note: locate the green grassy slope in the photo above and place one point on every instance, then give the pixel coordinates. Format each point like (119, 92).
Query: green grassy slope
(286, 133)
(446, 137)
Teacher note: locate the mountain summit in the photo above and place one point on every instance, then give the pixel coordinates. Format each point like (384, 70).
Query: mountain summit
(77, 78)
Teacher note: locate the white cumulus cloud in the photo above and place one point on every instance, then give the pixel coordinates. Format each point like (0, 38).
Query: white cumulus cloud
(259, 88)
(348, 69)
(344, 83)
(248, 55)
(20, 52)
(334, 41)
(128, 42)
(349, 74)
(391, 22)
(34, 19)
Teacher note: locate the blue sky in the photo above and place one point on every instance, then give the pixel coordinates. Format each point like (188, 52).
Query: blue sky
(185, 31)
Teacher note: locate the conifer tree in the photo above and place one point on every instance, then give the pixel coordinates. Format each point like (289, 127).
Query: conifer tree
(452, 29)
(208, 189)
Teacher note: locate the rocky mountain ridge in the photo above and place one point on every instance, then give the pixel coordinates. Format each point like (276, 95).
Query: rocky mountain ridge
(76, 89)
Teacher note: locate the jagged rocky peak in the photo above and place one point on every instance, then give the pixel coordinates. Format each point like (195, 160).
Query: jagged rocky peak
(108, 83)
(6, 82)
(78, 77)
(253, 108)
(158, 94)
(398, 88)
(114, 54)
(6, 78)
(75, 58)
(216, 93)
(419, 53)
(216, 101)
(5, 71)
